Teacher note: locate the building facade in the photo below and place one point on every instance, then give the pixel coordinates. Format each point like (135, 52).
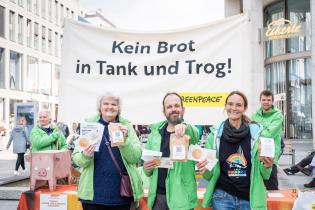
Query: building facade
(30, 47)
(283, 60)
(287, 63)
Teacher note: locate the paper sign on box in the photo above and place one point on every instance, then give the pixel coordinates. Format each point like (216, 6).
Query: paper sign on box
(53, 202)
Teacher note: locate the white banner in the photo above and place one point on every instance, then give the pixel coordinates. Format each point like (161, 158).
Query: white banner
(202, 64)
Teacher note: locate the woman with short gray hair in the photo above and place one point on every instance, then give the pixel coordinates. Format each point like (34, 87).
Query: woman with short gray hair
(100, 181)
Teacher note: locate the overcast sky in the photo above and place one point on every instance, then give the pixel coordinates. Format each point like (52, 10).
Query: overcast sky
(157, 14)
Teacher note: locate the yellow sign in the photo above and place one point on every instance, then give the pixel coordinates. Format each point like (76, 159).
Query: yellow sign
(281, 29)
(204, 99)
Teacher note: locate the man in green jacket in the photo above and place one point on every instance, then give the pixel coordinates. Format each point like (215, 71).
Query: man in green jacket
(45, 136)
(272, 121)
(173, 188)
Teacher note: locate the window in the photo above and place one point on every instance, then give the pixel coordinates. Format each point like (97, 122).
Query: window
(46, 106)
(12, 109)
(2, 21)
(2, 71)
(45, 78)
(36, 9)
(43, 9)
(56, 79)
(56, 13)
(20, 29)
(272, 13)
(56, 44)
(32, 74)
(290, 78)
(15, 70)
(2, 109)
(61, 38)
(50, 10)
(29, 5)
(300, 106)
(29, 32)
(43, 39)
(20, 2)
(36, 29)
(299, 12)
(50, 42)
(61, 14)
(12, 26)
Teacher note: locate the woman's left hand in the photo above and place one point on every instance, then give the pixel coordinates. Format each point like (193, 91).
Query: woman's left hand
(180, 130)
(268, 161)
(124, 130)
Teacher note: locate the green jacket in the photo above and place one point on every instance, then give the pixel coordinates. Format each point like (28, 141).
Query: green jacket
(181, 186)
(130, 153)
(257, 194)
(272, 123)
(41, 141)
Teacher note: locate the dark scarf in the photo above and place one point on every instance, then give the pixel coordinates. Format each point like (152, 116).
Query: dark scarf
(47, 130)
(233, 135)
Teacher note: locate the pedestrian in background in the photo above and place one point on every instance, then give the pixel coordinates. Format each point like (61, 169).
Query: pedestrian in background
(64, 129)
(20, 137)
(271, 119)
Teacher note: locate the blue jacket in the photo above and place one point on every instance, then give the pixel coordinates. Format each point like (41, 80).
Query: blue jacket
(20, 137)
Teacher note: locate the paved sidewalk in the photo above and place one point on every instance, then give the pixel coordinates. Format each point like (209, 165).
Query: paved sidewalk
(7, 165)
(302, 148)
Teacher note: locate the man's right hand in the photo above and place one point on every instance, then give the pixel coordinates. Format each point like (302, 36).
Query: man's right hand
(149, 165)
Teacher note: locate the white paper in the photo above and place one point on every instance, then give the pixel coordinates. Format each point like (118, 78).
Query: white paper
(93, 132)
(178, 152)
(267, 147)
(205, 154)
(275, 195)
(117, 136)
(166, 163)
(53, 201)
(150, 155)
(211, 163)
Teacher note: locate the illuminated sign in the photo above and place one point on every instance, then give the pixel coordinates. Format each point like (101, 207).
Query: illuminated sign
(282, 28)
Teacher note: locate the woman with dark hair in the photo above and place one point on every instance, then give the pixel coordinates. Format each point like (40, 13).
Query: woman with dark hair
(236, 181)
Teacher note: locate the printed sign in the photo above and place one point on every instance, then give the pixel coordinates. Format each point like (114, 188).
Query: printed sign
(203, 64)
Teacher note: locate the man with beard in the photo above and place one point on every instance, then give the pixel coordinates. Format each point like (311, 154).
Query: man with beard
(173, 188)
(271, 119)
